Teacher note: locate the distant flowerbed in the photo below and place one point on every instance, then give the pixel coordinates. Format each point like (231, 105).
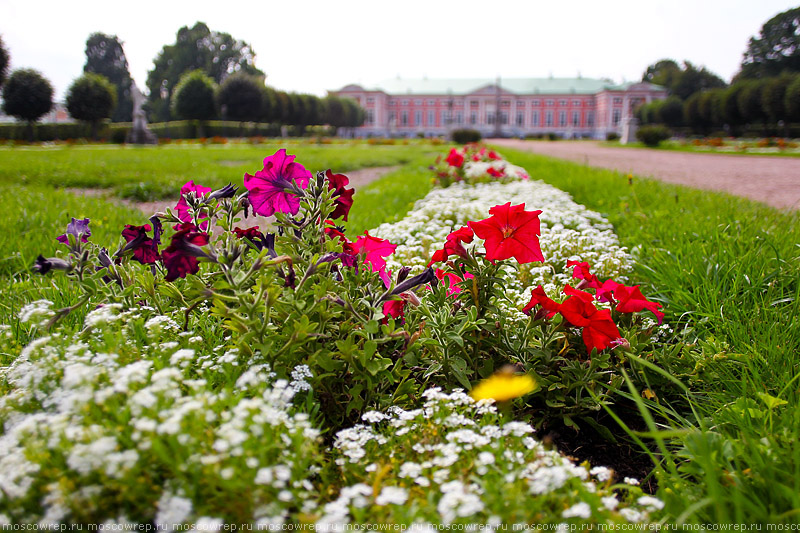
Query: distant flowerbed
(216, 359)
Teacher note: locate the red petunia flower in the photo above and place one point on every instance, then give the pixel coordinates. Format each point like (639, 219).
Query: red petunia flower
(581, 271)
(631, 300)
(510, 232)
(180, 257)
(494, 172)
(548, 308)
(455, 158)
(452, 245)
(394, 309)
(585, 296)
(494, 156)
(182, 207)
(343, 198)
(374, 250)
(145, 249)
(599, 330)
(604, 292)
(249, 233)
(452, 281)
(275, 187)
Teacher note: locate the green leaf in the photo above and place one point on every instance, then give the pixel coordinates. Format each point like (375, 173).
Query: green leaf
(771, 401)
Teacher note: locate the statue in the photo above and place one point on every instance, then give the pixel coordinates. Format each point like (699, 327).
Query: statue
(139, 133)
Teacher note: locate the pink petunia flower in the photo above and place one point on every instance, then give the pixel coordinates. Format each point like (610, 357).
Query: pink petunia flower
(275, 188)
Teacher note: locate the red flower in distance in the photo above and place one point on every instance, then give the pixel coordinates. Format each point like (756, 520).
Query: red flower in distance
(274, 188)
(494, 172)
(452, 245)
(631, 300)
(510, 232)
(581, 271)
(455, 158)
(599, 330)
(145, 249)
(452, 281)
(180, 257)
(549, 307)
(343, 198)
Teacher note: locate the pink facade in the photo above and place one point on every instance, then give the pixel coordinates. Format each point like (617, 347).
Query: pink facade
(566, 107)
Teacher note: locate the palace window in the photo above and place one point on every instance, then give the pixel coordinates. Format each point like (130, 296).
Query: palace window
(391, 102)
(431, 118)
(617, 116)
(473, 118)
(576, 102)
(417, 102)
(445, 117)
(474, 103)
(418, 118)
(392, 117)
(459, 118)
(370, 100)
(520, 103)
(370, 117)
(576, 118)
(590, 119)
(548, 118)
(404, 119)
(405, 102)
(535, 103)
(549, 102)
(490, 117)
(520, 119)
(535, 118)
(617, 100)
(562, 118)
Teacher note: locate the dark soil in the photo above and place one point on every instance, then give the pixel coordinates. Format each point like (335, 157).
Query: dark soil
(625, 457)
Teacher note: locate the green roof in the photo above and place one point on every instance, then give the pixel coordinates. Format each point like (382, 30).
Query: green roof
(400, 86)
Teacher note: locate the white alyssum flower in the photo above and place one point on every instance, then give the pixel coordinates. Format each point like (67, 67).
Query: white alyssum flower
(579, 510)
(37, 312)
(392, 496)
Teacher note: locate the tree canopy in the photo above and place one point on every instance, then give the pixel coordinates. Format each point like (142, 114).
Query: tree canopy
(776, 49)
(105, 56)
(241, 97)
(27, 95)
(684, 81)
(4, 60)
(91, 98)
(215, 53)
(194, 97)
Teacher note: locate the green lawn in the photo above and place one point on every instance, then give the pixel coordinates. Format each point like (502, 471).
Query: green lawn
(727, 270)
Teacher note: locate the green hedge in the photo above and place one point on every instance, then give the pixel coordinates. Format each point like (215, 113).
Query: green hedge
(117, 132)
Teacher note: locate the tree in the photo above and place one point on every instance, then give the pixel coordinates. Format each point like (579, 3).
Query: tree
(730, 105)
(749, 101)
(776, 49)
(240, 97)
(671, 112)
(773, 97)
(28, 96)
(662, 73)
(682, 82)
(792, 100)
(693, 80)
(105, 56)
(269, 105)
(194, 99)
(3, 62)
(91, 98)
(216, 54)
(335, 112)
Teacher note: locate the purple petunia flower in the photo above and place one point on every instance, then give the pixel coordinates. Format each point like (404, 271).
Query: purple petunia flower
(78, 228)
(276, 186)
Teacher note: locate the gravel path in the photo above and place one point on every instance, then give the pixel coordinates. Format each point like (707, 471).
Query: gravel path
(772, 180)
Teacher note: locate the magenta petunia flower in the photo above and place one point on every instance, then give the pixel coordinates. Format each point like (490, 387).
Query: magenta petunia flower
(275, 188)
(182, 207)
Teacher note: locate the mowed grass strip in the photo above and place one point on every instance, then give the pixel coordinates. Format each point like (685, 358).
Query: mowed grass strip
(152, 173)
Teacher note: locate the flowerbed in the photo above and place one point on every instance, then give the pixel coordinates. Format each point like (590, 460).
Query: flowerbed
(209, 372)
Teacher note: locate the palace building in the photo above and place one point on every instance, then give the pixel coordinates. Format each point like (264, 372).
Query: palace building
(567, 107)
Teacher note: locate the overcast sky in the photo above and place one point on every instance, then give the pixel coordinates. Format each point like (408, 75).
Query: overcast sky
(314, 46)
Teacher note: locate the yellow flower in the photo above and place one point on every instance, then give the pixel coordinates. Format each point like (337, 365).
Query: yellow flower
(503, 386)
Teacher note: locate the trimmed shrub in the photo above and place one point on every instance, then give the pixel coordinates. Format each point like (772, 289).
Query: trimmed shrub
(466, 136)
(612, 136)
(652, 135)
